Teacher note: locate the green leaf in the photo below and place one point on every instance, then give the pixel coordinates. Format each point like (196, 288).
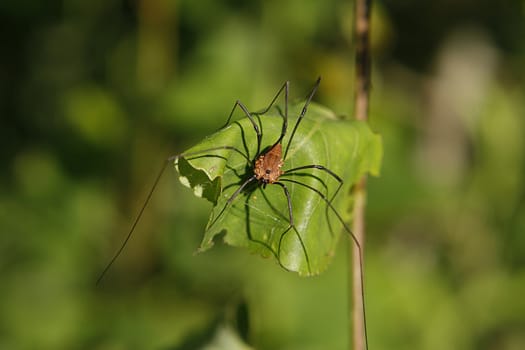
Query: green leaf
(258, 218)
(226, 338)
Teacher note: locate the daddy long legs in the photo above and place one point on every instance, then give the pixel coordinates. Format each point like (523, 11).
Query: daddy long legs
(265, 168)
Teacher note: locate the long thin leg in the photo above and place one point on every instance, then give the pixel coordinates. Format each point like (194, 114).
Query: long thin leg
(354, 238)
(252, 120)
(318, 167)
(292, 226)
(303, 112)
(231, 199)
(328, 171)
(249, 230)
(166, 162)
(150, 193)
(196, 153)
(286, 88)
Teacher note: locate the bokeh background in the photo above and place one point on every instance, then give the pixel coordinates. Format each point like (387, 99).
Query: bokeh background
(94, 95)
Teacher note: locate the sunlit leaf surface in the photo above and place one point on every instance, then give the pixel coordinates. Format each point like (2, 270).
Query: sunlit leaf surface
(258, 218)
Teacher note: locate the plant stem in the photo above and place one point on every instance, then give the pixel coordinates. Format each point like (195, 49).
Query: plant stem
(358, 228)
(362, 92)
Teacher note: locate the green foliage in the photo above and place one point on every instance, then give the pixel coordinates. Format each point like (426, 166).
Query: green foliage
(94, 95)
(259, 217)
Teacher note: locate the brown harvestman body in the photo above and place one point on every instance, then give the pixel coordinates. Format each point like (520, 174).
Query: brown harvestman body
(267, 170)
(267, 167)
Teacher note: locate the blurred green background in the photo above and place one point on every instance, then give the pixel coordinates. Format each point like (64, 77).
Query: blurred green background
(94, 95)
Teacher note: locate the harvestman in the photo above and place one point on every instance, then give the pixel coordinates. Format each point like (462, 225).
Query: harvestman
(266, 170)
